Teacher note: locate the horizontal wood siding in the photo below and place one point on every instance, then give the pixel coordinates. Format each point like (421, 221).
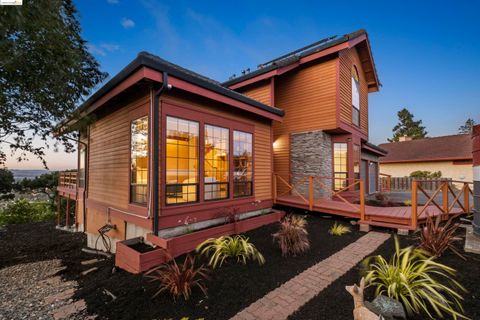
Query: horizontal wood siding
(308, 97)
(259, 91)
(348, 58)
(109, 156)
(262, 139)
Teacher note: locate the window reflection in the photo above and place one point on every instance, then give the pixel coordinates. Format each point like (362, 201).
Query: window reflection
(139, 160)
(243, 164)
(216, 164)
(181, 161)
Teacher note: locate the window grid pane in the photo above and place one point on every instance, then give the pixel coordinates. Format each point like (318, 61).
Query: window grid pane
(139, 160)
(182, 161)
(216, 162)
(243, 164)
(340, 165)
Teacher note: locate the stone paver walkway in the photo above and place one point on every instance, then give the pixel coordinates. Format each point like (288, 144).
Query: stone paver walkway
(286, 299)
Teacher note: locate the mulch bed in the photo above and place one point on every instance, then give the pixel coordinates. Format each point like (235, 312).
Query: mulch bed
(336, 303)
(230, 288)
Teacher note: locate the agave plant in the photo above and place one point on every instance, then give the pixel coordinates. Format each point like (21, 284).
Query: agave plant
(339, 229)
(415, 279)
(223, 248)
(293, 236)
(179, 280)
(436, 238)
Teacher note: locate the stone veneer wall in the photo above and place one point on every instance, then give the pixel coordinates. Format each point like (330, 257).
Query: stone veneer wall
(311, 154)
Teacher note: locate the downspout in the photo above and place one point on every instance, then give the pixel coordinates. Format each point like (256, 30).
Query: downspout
(156, 137)
(476, 179)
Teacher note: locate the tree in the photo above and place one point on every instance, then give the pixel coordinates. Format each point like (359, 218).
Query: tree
(6, 180)
(45, 70)
(408, 127)
(467, 127)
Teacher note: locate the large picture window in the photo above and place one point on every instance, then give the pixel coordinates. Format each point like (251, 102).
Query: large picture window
(340, 151)
(216, 162)
(182, 145)
(355, 97)
(243, 164)
(139, 160)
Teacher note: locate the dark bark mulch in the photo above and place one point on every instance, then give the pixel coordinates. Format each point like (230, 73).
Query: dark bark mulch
(230, 288)
(336, 303)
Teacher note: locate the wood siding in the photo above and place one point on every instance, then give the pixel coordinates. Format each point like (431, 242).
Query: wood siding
(348, 58)
(259, 91)
(308, 97)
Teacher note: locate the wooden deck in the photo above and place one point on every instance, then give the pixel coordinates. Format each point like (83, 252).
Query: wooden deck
(391, 217)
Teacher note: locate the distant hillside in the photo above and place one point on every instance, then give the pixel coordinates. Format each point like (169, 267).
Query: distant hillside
(29, 174)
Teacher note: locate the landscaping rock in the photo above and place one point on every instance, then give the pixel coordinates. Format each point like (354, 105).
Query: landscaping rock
(389, 308)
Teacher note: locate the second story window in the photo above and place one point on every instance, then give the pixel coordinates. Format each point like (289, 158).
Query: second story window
(355, 97)
(139, 160)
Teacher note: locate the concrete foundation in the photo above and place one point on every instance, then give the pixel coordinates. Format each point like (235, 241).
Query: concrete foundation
(472, 241)
(403, 232)
(365, 227)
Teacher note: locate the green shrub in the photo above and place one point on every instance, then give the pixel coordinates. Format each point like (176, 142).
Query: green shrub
(416, 280)
(426, 174)
(23, 211)
(226, 247)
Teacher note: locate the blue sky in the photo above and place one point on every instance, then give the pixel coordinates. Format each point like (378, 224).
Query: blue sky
(426, 52)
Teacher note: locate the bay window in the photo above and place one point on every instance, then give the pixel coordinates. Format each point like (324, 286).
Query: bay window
(182, 160)
(139, 160)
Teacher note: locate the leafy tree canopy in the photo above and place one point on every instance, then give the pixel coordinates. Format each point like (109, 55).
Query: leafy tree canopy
(408, 127)
(45, 70)
(467, 127)
(6, 180)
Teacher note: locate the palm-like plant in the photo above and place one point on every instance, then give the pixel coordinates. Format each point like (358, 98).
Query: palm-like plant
(436, 238)
(415, 279)
(179, 280)
(293, 236)
(223, 248)
(339, 229)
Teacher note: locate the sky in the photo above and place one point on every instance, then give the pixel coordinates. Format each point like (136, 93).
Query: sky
(426, 52)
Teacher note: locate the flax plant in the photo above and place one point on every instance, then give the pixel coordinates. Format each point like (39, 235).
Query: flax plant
(221, 249)
(416, 280)
(339, 229)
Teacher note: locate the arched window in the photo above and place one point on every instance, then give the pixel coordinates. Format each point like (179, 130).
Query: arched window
(355, 96)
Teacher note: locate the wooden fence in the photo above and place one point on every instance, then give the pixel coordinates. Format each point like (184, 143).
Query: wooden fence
(389, 183)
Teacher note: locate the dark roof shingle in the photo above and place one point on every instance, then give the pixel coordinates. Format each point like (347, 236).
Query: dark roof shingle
(454, 147)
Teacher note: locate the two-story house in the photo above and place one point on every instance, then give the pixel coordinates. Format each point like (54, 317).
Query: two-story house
(175, 157)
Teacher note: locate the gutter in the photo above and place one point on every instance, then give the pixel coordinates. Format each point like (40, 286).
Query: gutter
(155, 161)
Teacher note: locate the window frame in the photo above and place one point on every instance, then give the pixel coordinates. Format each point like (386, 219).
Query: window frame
(334, 186)
(173, 108)
(229, 188)
(133, 115)
(253, 166)
(355, 79)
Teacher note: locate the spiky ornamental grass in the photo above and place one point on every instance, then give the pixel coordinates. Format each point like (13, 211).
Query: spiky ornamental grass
(436, 238)
(339, 229)
(179, 280)
(226, 247)
(293, 236)
(416, 280)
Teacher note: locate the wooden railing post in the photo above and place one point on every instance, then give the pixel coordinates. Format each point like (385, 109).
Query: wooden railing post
(466, 197)
(414, 204)
(310, 193)
(445, 196)
(362, 200)
(274, 182)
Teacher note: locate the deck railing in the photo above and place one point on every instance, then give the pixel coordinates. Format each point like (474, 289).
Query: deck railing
(445, 189)
(308, 196)
(67, 179)
(389, 183)
(385, 182)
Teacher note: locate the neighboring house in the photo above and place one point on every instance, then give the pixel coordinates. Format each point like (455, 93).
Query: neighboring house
(452, 155)
(215, 147)
(323, 89)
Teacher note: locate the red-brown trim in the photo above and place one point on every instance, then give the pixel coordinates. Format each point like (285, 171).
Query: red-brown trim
(337, 93)
(272, 91)
(423, 160)
(352, 129)
(372, 150)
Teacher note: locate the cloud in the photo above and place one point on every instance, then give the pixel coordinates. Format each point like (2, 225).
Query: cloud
(112, 1)
(102, 49)
(127, 23)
